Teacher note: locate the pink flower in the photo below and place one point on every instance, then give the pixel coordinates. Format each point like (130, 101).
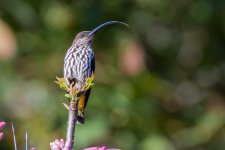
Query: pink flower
(2, 125)
(96, 148)
(100, 148)
(1, 136)
(57, 144)
(60, 145)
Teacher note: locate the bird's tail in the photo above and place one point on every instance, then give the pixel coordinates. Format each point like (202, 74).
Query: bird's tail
(80, 117)
(81, 107)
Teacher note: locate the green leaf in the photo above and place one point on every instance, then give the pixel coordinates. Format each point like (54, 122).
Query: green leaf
(62, 83)
(67, 95)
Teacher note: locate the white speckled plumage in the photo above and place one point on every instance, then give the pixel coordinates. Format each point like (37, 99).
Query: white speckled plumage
(79, 62)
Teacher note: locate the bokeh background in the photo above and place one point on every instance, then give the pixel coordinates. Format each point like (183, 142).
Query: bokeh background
(159, 84)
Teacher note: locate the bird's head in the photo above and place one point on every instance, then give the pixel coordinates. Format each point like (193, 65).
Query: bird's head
(86, 37)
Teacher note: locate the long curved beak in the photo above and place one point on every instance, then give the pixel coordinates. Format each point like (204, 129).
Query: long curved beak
(106, 24)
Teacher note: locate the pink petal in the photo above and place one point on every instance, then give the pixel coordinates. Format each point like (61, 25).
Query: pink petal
(33, 148)
(91, 148)
(57, 144)
(61, 143)
(2, 124)
(96, 148)
(1, 136)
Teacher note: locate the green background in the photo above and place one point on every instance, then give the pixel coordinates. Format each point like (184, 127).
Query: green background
(159, 85)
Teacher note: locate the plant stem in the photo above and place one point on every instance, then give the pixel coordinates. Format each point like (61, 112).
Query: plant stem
(14, 137)
(26, 141)
(72, 119)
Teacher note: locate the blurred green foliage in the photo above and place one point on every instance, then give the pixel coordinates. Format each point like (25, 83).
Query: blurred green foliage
(158, 85)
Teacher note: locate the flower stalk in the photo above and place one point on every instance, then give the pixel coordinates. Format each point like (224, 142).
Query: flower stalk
(72, 93)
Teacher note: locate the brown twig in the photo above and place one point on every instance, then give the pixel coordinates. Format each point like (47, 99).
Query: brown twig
(72, 119)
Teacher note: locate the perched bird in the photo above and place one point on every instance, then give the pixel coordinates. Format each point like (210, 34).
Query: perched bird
(79, 64)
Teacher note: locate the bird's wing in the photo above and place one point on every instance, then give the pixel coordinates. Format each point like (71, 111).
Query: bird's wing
(84, 98)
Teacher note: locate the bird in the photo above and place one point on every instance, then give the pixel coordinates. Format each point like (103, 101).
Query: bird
(79, 64)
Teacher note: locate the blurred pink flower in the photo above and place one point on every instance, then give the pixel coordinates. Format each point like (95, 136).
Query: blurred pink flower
(33, 148)
(8, 46)
(96, 148)
(2, 125)
(60, 145)
(132, 60)
(100, 148)
(57, 144)
(1, 136)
